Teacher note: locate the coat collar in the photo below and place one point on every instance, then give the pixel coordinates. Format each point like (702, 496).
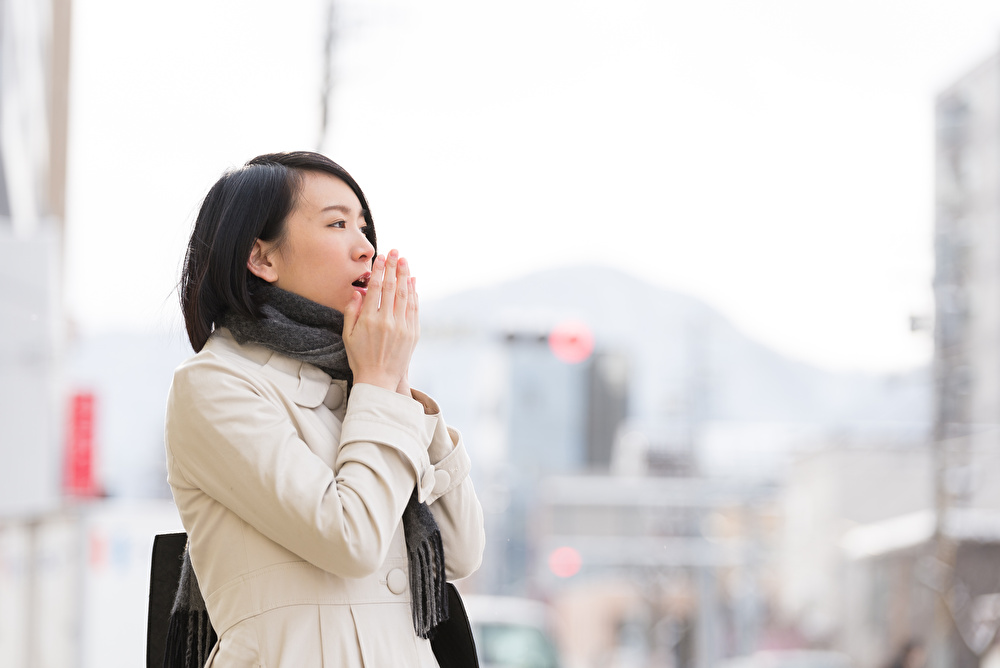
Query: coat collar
(305, 384)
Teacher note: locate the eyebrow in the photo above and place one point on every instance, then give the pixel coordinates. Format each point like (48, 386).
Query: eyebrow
(342, 208)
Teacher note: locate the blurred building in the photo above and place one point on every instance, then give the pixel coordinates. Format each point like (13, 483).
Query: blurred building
(73, 569)
(656, 570)
(893, 579)
(548, 405)
(967, 280)
(832, 495)
(34, 84)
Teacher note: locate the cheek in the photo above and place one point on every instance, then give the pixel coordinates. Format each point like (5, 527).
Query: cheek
(326, 265)
(312, 256)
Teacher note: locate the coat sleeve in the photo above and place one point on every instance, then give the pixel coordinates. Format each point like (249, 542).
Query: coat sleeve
(239, 447)
(453, 500)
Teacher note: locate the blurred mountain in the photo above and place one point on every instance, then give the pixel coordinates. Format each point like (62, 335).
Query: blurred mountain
(684, 356)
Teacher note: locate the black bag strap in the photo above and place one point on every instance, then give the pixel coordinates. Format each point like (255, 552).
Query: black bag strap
(165, 572)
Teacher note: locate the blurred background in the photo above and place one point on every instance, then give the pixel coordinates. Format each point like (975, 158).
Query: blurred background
(712, 290)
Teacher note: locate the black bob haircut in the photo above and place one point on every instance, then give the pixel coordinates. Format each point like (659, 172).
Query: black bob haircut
(246, 204)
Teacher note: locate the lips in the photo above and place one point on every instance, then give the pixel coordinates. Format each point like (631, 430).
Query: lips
(362, 281)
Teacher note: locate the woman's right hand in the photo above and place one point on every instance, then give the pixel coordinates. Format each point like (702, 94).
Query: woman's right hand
(381, 329)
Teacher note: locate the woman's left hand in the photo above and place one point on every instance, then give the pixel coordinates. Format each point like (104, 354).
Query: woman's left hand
(381, 330)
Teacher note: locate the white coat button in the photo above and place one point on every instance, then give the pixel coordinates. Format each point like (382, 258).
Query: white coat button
(334, 396)
(427, 481)
(441, 481)
(396, 581)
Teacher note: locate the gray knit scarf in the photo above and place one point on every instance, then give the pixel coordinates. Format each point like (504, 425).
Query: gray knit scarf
(309, 332)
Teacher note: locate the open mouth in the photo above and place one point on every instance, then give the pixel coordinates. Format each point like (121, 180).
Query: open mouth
(362, 282)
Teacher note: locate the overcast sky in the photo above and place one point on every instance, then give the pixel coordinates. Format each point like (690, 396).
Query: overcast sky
(772, 157)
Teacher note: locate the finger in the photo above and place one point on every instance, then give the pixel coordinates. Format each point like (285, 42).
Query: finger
(402, 289)
(374, 285)
(389, 280)
(412, 308)
(352, 312)
(416, 312)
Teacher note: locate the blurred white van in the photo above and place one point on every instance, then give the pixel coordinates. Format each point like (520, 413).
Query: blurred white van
(511, 632)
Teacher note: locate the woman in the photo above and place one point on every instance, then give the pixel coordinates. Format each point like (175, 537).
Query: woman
(302, 464)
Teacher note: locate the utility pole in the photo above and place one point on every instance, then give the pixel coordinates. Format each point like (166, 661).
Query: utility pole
(952, 363)
(326, 84)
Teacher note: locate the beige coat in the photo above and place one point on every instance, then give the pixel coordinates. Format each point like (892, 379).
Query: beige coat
(292, 498)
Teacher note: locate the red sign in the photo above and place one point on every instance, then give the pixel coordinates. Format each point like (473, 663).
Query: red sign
(79, 472)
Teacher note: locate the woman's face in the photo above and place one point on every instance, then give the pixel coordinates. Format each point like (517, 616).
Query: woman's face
(325, 255)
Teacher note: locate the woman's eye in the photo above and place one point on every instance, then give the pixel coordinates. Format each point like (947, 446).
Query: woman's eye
(338, 223)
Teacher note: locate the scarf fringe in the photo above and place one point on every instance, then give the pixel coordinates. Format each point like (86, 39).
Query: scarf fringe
(190, 639)
(429, 603)
(190, 636)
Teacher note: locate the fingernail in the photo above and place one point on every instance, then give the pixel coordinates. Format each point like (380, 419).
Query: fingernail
(394, 253)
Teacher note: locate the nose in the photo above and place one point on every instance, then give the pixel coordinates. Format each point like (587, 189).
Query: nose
(363, 248)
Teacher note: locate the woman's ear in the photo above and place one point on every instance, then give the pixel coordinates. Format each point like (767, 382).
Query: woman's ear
(259, 263)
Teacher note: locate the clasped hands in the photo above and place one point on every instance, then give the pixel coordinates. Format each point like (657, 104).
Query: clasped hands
(382, 327)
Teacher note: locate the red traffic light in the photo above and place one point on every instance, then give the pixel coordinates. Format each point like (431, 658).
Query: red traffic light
(571, 341)
(565, 562)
